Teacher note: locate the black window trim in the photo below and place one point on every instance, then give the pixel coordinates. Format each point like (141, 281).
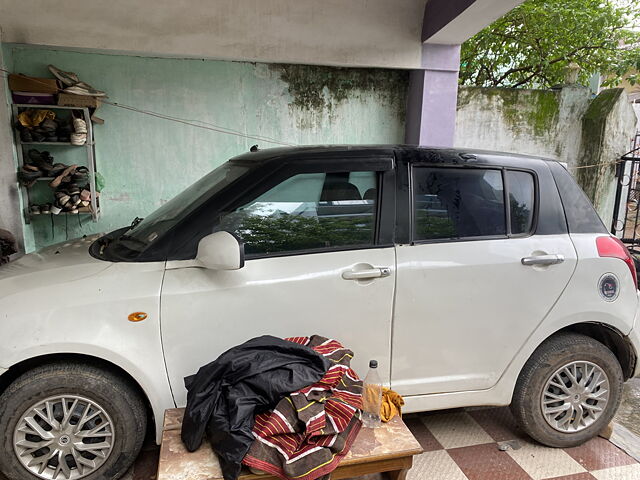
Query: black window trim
(503, 170)
(385, 168)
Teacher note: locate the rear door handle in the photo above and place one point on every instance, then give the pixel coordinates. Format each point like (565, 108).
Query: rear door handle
(543, 260)
(366, 274)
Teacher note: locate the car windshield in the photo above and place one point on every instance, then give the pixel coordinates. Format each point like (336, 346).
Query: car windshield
(152, 227)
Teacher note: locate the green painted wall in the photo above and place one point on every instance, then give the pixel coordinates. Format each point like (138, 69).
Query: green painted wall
(146, 161)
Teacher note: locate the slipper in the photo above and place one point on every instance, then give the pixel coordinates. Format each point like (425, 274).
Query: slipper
(85, 195)
(57, 169)
(67, 78)
(27, 178)
(55, 209)
(79, 125)
(84, 89)
(78, 138)
(55, 183)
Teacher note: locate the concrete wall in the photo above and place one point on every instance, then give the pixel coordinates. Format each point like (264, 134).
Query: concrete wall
(10, 217)
(607, 127)
(146, 161)
(568, 125)
(536, 122)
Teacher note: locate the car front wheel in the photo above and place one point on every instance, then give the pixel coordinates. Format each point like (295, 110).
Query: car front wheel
(568, 391)
(69, 421)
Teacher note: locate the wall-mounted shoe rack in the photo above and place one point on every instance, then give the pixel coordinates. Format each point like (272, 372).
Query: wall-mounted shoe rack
(89, 146)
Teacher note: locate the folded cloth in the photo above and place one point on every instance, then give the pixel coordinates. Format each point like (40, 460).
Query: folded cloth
(391, 404)
(311, 430)
(225, 395)
(32, 118)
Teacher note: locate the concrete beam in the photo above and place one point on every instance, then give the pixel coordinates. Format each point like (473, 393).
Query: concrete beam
(451, 22)
(433, 96)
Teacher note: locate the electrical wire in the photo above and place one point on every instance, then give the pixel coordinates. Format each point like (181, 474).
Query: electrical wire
(229, 131)
(193, 123)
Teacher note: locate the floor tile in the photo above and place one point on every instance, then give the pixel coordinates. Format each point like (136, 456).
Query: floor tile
(577, 476)
(544, 462)
(626, 472)
(498, 423)
(486, 462)
(422, 433)
(436, 465)
(453, 430)
(598, 454)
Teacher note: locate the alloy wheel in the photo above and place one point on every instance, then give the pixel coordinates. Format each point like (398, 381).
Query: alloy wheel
(63, 437)
(575, 396)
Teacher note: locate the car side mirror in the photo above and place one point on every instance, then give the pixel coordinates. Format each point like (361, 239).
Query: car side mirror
(220, 251)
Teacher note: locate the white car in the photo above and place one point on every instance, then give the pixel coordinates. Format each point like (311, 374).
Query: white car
(474, 278)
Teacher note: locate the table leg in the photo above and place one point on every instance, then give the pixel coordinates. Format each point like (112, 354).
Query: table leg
(398, 474)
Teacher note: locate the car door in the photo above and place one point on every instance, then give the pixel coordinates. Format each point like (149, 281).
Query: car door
(486, 262)
(319, 259)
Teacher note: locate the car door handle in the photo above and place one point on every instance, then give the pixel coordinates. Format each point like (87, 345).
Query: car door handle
(543, 260)
(366, 274)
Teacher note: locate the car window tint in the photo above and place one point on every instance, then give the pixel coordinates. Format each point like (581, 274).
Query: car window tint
(457, 203)
(521, 201)
(308, 211)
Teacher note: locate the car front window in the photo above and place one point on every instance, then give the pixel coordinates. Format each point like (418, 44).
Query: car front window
(152, 227)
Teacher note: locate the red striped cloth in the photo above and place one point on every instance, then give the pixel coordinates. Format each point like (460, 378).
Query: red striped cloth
(308, 433)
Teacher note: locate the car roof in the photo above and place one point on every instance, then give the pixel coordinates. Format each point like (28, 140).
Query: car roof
(411, 153)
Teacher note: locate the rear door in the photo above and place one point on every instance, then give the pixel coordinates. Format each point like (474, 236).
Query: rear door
(487, 259)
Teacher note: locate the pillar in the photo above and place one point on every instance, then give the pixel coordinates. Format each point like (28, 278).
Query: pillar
(433, 97)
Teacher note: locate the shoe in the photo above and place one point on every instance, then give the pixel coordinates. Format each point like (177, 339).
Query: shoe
(55, 209)
(67, 172)
(34, 209)
(46, 208)
(28, 177)
(67, 78)
(85, 89)
(78, 138)
(79, 125)
(25, 135)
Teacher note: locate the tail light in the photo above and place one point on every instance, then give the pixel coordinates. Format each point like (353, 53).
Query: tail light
(612, 247)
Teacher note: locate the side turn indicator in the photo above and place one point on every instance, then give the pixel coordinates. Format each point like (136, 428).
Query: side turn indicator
(137, 317)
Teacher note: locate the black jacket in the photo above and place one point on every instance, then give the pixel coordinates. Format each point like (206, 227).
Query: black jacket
(225, 395)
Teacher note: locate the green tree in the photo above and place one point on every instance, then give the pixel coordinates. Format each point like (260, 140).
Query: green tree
(533, 44)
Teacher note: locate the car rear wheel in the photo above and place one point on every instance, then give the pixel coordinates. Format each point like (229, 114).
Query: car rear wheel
(68, 421)
(568, 391)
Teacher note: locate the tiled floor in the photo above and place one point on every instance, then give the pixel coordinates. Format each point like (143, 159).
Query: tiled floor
(465, 445)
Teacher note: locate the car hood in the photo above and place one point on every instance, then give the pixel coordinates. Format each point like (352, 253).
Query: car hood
(51, 266)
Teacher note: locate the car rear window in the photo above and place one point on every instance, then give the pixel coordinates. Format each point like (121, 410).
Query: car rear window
(521, 201)
(458, 203)
(580, 214)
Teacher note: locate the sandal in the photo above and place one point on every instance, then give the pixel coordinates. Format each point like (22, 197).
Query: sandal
(55, 183)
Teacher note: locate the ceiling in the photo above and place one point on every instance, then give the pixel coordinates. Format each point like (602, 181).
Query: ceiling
(377, 33)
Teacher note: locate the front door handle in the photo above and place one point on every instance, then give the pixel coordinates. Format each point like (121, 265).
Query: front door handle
(543, 260)
(366, 274)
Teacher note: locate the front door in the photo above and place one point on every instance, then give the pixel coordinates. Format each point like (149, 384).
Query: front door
(465, 301)
(316, 263)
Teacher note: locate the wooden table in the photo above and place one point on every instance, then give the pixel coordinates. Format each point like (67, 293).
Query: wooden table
(389, 448)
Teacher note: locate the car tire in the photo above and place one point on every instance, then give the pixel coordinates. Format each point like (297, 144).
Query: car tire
(103, 425)
(567, 423)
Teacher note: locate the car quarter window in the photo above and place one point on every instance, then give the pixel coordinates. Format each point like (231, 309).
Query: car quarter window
(457, 203)
(521, 187)
(307, 211)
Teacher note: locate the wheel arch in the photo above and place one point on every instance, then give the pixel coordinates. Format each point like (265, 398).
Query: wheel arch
(29, 364)
(610, 337)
